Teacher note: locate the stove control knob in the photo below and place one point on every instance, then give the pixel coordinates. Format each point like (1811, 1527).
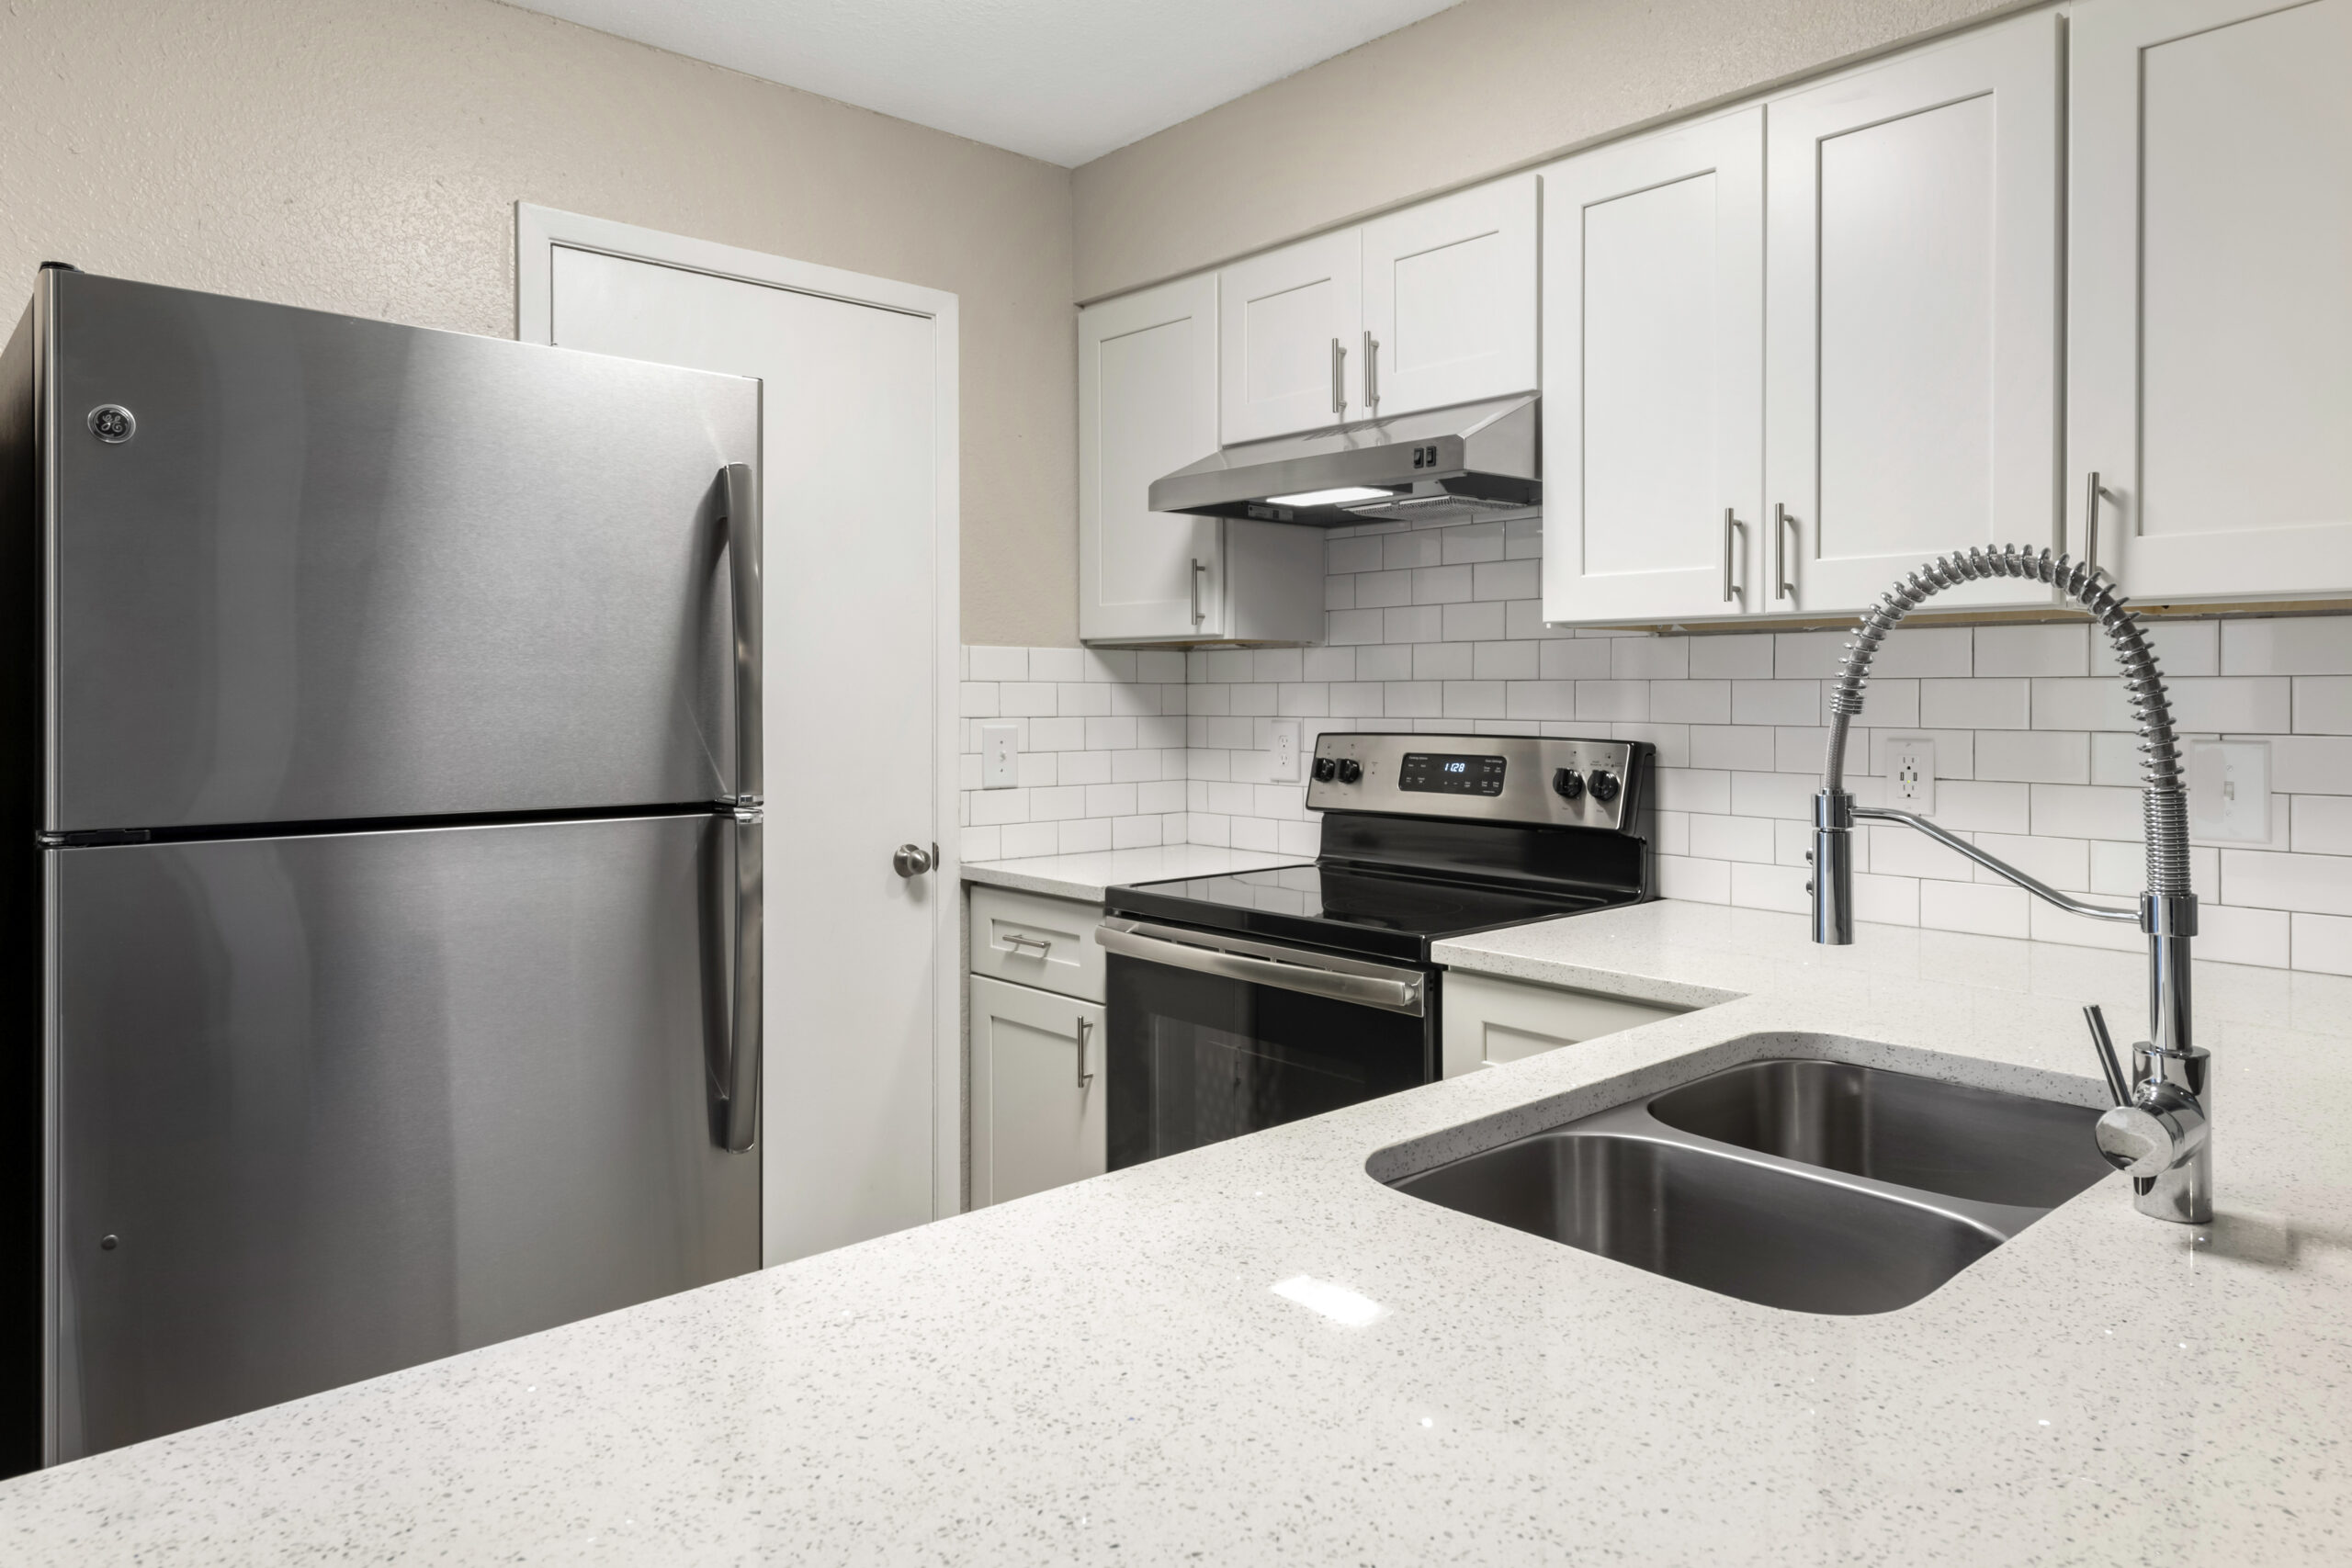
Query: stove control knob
(1603, 785)
(1351, 771)
(1566, 783)
(1326, 770)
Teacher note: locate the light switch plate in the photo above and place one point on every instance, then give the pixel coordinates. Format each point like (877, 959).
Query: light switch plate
(1911, 774)
(1000, 756)
(1282, 742)
(2228, 791)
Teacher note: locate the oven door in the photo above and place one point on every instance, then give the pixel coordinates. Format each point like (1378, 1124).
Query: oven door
(1211, 1036)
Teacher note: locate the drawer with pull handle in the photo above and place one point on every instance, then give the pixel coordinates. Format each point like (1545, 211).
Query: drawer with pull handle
(1033, 939)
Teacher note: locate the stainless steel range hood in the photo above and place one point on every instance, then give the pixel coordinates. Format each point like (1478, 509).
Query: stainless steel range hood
(1439, 464)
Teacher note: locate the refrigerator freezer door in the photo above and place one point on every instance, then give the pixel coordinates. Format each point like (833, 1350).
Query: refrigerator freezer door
(332, 1106)
(339, 569)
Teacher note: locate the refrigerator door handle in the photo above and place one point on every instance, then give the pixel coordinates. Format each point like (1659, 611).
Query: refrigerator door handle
(744, 573)
(742, 1117)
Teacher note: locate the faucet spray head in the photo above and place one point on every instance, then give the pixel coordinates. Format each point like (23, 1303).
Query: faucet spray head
(1833, 868)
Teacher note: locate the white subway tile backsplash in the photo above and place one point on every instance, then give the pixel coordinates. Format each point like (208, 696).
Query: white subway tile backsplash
(1612, 699)
(1776, 702)
(1649, 658)
(1506, 660)
(1985, 701)
(999, 664)
(1989, 910)
(2321, 645)
(2032, 756)
(1746, 746)
(1508, 579)
(2322, 704)
(1731, 655)
(2035, 745)
(2319, 884)
(2089, 703)
(2086, 811)
(2033, 650)
(2322, 942)
(1444, 661)
(2321, 823)
(1689, 702)
(2213, 704)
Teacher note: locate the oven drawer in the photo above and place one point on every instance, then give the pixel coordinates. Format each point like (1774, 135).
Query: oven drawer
(1032, 939)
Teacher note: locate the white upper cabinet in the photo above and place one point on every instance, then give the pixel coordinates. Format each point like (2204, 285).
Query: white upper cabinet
(1291, 320)
(1653, 374)
(1147, 399)
(1911, 319)
(2210, 308)
(1449, 300)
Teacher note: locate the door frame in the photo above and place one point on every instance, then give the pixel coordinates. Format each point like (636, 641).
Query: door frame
(538, 233)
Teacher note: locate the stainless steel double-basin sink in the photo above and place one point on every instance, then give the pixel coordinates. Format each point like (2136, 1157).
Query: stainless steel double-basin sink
(1816, 1186)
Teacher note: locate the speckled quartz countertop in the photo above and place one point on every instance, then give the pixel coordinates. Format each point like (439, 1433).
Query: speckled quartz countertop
(1104, 1374)
(1086, 876)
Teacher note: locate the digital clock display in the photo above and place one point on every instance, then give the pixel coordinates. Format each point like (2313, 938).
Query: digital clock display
(1439, 773)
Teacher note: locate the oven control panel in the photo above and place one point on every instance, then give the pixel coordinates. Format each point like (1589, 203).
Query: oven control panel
(1485, 778)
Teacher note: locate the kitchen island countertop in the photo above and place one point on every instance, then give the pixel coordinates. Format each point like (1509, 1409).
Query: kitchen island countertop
(1104, 1373)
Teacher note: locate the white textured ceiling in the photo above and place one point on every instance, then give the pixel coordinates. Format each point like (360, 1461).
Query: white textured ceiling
(1061, 79)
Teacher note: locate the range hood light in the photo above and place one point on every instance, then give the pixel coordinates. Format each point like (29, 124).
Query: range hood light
(1339, 497)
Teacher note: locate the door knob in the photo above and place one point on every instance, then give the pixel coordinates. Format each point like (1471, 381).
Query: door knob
(914, 859)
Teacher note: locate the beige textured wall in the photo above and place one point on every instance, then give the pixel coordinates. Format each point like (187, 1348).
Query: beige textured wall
(1468, 93)
(364, 156)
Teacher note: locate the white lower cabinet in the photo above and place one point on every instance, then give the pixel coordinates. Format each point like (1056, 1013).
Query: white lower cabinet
(1037, 1090)
(1490, 1022)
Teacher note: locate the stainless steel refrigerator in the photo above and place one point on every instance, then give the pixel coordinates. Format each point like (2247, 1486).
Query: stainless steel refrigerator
(381, 856)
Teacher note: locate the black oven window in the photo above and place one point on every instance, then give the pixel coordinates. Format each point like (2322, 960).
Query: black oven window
(1212, 1084)
(1198, 1058)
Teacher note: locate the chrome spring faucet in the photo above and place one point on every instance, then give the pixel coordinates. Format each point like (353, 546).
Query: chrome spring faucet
(2157, 1132)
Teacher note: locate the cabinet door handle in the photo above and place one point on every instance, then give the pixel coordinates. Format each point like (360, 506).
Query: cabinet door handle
(1200, 570)
(1370, 373)
(1338, 377)
(1021, 938)
(1085, 1027)
(1782, 523)
(1732, 527)
(2092, 495)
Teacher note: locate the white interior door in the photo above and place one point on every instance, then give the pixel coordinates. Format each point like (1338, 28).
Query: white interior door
(1653, 375)
(851, 451)
(1146, 406)
(1449, 300)
(1911, 318)
(2209, 382)
(1288, 358)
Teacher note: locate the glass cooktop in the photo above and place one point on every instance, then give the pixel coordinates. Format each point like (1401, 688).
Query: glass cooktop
(1349, 909)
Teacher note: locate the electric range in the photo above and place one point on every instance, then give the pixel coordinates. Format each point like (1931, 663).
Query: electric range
(1246, 1001)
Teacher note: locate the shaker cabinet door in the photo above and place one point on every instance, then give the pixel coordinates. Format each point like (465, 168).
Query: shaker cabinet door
(1288, 325)
(1653, 375)
(1911, 320)
(1146, 401)
(2209, 304)
(1449, 300)
(1037, 1090)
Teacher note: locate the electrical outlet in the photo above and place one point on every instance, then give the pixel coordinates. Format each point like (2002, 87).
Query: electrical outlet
(1000, 756)
(2228, 791)
(1283, 742)
(1911, 774)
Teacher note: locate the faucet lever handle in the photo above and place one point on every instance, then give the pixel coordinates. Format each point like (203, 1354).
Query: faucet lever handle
(2104, 1045)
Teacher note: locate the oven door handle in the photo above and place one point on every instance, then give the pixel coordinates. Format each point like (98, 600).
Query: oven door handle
(1395, 990)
